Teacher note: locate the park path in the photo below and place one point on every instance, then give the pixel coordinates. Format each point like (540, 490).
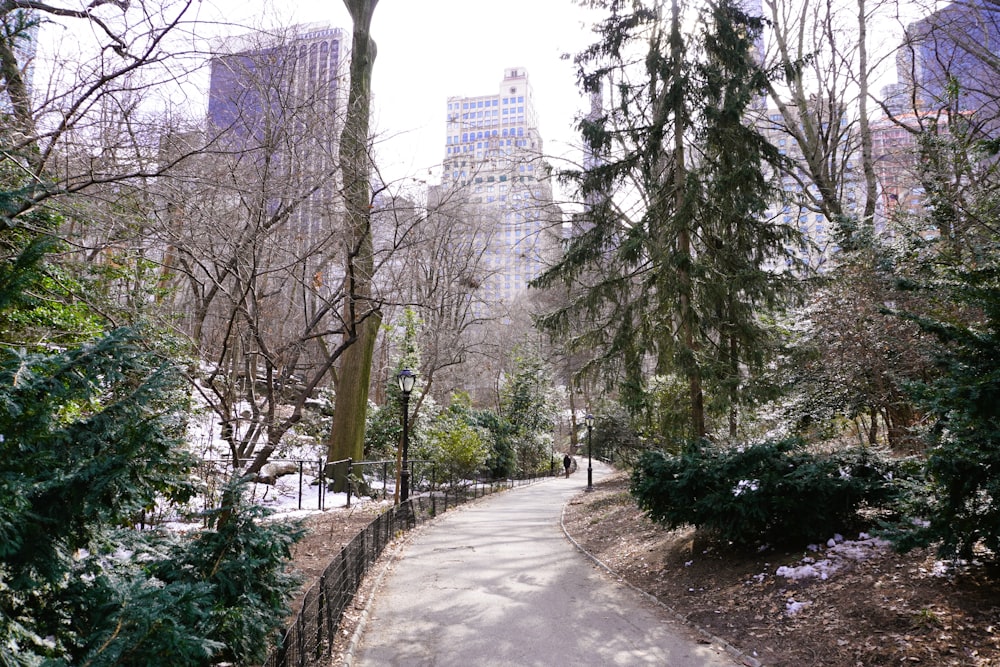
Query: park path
(497, 583)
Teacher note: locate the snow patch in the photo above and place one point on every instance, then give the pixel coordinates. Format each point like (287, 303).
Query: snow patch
(792, 607)
(838, 554)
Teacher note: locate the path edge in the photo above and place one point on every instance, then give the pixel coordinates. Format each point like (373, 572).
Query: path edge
(734, 652)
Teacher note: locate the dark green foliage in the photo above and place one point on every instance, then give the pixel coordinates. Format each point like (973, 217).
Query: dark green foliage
(672, 268)
(502, 460)
(773, 492)
(90, 441)
(88, 430)
(962, 507)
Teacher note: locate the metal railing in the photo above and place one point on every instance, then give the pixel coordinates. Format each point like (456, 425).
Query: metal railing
(308, 639)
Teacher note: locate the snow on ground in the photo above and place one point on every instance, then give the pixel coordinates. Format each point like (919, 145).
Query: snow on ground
(295, 495)
(838, 553)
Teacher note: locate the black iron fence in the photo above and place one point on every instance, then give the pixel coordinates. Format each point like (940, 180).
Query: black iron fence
(308, 639)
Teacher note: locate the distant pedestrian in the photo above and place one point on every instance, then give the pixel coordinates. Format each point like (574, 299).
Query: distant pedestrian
(567, 461)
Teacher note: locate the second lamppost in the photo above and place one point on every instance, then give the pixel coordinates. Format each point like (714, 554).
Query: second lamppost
(406, 378)
(590, 451)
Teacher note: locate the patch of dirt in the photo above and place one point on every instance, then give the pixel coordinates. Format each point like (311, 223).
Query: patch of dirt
(326, 534)
(886, 609)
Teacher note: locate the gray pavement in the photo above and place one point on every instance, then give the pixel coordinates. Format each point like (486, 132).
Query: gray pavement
(498, 583)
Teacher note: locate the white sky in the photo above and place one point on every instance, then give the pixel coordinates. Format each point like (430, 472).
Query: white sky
(429, 50)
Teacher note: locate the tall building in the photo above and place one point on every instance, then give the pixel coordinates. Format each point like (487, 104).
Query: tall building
(950, 53)
(494, 164)
(946, 67)
(257, 80)
(277, 103)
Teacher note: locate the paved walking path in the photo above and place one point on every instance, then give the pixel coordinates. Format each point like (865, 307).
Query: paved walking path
(498, 583)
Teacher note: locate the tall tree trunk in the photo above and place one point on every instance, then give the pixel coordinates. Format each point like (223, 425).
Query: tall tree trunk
(867, 152)
(687, 316)
(362, 317)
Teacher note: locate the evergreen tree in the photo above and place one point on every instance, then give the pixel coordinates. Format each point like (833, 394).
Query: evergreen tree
(89, 442)
(527, 405)
(675, 266)
(962, 507)
(739, 241)
(960, 279)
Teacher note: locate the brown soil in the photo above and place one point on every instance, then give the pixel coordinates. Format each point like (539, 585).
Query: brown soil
(888, 609)
(326, 534)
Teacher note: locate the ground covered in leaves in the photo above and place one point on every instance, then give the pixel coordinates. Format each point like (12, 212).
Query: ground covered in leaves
(863, 605)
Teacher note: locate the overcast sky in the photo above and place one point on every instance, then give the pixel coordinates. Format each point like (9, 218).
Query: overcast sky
(431, 49)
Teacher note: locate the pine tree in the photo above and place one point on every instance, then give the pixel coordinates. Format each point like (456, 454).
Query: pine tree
(739, 241)
(674, 269)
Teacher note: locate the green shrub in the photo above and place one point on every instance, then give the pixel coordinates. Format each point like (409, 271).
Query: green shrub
(774, 492)
(89, 441)
(958, 506)
(457, 448)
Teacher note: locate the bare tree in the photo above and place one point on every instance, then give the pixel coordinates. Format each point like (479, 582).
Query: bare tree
(252, 235)
(55, 120)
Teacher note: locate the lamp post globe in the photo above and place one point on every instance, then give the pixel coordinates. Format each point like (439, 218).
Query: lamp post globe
(590, 451)
(406, 380)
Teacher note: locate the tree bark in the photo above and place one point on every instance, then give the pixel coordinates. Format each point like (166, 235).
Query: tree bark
(362, 317)
(687, 314)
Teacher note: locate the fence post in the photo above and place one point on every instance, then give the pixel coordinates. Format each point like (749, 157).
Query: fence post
(300, 483)
(321, 612)
(301, 640)
(321, 480)
(347, 480)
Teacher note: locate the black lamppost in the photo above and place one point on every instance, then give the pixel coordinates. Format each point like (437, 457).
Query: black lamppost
(590, 450)
(406, 378)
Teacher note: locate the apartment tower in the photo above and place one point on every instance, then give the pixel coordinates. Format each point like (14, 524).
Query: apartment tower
(494, 163)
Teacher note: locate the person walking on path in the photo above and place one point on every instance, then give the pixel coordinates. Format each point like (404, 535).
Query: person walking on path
(566, 463)
(497, 583)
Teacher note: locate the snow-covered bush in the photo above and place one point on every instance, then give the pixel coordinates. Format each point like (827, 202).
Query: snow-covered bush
(774, 492)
